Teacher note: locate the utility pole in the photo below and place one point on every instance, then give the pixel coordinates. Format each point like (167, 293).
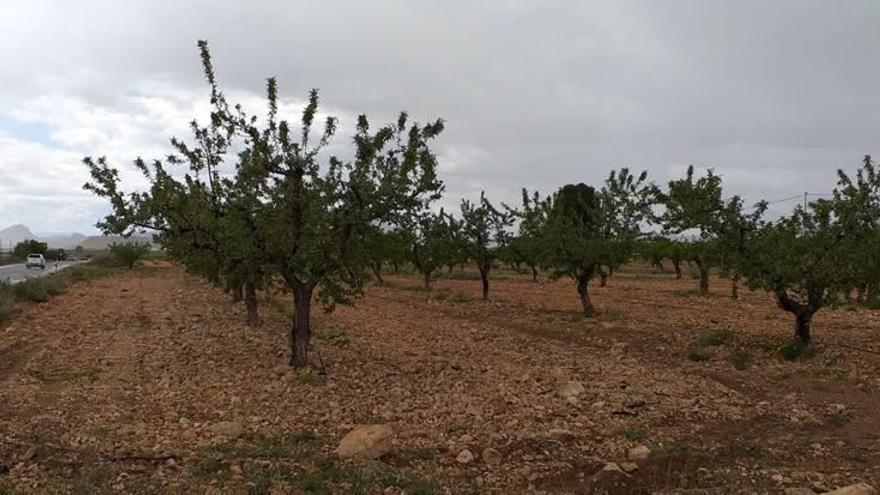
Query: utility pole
(805, 201)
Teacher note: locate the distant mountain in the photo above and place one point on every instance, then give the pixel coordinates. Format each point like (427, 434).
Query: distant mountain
(66, 241)
(99, 243)
(10, 236)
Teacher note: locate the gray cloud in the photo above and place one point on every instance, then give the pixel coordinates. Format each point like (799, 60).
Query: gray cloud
(774, 95)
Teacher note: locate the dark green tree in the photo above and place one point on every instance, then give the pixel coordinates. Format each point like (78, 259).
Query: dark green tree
(129, 253)
(30, 246)
(433, 242)
(586, 229)
(383, 245)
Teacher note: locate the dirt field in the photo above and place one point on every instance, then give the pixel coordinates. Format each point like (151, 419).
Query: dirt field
(150, 382)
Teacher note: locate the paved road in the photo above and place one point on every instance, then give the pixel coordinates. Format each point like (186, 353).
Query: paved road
(19, 272)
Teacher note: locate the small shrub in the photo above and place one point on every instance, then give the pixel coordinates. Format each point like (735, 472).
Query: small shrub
(714, 338)
(795, 350)
(39, 290)
(635, 433)
(740, 359)
(873, 304)
(7, 302)
(58, 375)
(754, 450)
(699, 353)
(129, 253)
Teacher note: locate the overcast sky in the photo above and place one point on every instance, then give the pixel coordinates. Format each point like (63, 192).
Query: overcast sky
(774, 95)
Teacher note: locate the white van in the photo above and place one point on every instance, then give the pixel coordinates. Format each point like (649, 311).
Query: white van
(36, 260)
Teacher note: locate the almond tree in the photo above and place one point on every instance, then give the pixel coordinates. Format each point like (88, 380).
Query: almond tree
(807, 259)
(586, 229)
(526, 246)
(303, 221)
(692, 206)
(433, 242)
(483, 235)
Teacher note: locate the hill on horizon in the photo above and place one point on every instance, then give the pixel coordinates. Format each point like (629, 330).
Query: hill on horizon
(12, 235)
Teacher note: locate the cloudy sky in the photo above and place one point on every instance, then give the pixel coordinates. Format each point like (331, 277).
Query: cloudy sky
(774, 95)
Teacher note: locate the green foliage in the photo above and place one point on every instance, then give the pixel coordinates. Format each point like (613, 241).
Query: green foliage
(587, 229)
(699, 353)
(128, 253)
(279, 208)
(740, 359)
(55, 254)
(814, 256)
(384, 245)
(483, 235)
(57, 375)
(434, 242)
(796, 349)
(7, 302)
(636, 433)
(527, 247)
(24, 248)
(38, 290)
(714, 338)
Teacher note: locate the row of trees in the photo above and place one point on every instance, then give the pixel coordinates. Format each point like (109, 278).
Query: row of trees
(248, 201)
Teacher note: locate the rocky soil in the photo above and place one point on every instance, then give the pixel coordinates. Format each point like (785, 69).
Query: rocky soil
(150, 382)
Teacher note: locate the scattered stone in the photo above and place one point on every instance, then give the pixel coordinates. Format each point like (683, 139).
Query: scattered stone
(629, 467)
(857, 489)
(638, 453)
(798, 491)
(571, 390)
(492, 456)
(465, 457)
(366, 442)
(231, 430)
(611, 468)
(281, 369)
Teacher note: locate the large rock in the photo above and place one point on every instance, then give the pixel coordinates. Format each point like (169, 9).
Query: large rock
(639, 453)
(857, 489)
(366, 442)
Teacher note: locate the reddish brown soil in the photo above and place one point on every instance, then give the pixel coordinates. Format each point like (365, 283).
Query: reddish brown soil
(118, 384)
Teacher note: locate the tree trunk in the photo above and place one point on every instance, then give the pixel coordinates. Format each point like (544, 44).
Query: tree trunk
(734, 290)
(803, 313)
(802, 326)
(677, 265)
(301, 334)
(603, 278)
(704, 278)
(237, 295)
(428, 280)
(484, 277)
(534, 274)
(250, 302)
(377, 271)
(583, 282)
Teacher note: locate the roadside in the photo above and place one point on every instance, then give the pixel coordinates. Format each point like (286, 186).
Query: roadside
(19, 272)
